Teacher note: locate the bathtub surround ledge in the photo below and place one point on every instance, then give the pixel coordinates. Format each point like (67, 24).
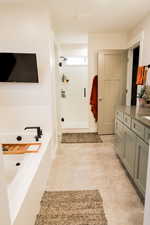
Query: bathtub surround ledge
(28, 186)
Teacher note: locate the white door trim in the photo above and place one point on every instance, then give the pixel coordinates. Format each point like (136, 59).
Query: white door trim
(129, 77)
(137, 41)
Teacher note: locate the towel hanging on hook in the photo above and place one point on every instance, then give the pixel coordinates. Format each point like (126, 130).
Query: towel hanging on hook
(141, 75)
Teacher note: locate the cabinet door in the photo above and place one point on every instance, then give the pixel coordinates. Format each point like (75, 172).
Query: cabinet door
(119, 146)
(117, 136)
(122, 133)
(142, 150)
(129, 151)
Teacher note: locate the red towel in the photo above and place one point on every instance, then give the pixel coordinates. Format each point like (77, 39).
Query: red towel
(141, 75)
(94, 98)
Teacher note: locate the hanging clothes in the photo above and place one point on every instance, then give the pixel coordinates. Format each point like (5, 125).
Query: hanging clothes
(141, 75)
(94, 98)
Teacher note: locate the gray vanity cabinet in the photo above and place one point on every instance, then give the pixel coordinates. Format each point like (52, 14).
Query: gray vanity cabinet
(129, 151)
(141, 164)
(132, 147)
(119, 143)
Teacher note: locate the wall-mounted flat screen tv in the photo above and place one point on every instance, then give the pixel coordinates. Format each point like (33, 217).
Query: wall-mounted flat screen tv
(18, 67)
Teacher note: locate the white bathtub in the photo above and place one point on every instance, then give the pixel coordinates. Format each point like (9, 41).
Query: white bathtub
(27, 182)
(10, 161)
(10, 167)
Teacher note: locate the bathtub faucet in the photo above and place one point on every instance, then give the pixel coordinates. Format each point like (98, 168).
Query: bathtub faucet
(39, 132)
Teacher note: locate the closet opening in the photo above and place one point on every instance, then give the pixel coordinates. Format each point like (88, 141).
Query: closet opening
(136, 52)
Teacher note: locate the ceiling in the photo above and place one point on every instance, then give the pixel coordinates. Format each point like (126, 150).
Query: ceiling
(96, 16)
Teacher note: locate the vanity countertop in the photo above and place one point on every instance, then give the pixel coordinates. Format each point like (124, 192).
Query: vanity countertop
(137, 113)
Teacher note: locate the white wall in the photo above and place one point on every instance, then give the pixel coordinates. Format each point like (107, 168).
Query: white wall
(142, 29)
(74, 49)
(26, 28)
(72, 38)
(4, 210)
(97, 42)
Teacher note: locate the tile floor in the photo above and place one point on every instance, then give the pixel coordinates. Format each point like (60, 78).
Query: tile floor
(95, 166)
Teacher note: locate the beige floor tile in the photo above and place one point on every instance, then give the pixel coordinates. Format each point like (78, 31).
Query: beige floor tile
(95, 166)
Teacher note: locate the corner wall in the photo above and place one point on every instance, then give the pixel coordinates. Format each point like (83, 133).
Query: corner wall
(142, 28)
(26, 28)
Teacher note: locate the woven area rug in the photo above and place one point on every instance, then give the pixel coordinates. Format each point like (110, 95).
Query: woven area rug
(71, 208)
(81, 138)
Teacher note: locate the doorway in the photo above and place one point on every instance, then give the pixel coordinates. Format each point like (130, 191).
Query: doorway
(136, 52)
(74, 101)
(111, 87)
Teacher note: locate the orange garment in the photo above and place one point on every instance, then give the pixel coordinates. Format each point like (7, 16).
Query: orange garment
(94, 98)
(141, 75)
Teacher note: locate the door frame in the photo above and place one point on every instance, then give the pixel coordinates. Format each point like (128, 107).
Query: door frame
(137, 41)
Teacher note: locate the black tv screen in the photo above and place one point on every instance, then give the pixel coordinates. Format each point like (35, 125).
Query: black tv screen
(18, 67)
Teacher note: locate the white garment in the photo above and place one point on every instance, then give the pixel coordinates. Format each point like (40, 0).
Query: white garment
(148, 78)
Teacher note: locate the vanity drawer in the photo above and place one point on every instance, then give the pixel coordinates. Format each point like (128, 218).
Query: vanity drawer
(138, 128)
(147, 135)
(127, 120)
(119, 115)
